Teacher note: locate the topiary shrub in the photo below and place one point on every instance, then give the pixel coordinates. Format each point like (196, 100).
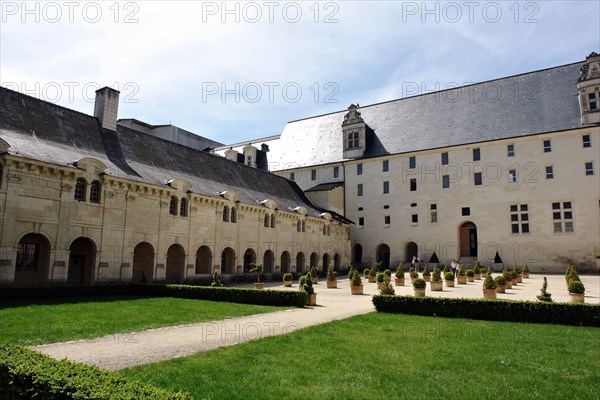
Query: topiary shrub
(576, 287)
(386, 287)
(379, 277)
(470, 273)
(288, 277)
(461, 271)
(308, 285)
(400, 271)
(489, 282)
(356, 281)
(436, 275)
(449, 276)
(500, 281)
(426, 271)
(476, 268)
(331, 274)
(366, 272)
(388, 273)
(216, 282)
(544, 295)
(419, 284)
(302, 280)
(446, 269)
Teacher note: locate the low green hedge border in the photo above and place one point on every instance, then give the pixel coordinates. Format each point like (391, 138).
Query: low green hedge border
(232, 295)
(492, 310)
(26, 374)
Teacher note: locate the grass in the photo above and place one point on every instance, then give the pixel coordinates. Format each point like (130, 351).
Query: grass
(36, 322)
(383, 356)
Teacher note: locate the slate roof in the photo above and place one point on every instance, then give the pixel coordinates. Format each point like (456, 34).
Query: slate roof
(43, 131)
(325, 186)
(531, 103)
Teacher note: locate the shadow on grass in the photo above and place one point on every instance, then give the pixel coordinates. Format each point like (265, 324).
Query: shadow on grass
(67, 300)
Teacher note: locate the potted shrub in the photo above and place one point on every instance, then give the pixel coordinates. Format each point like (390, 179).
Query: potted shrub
(482, 272)
(570, 271)
(388, 273)
(470, 275)
(366, 273)
(519, 275)
(500, 283)
(476, 271)
(525, 272)
(258, 268)
(436, 282)
(331, 278)
(544, 295)
(508, 278)
(462, 276)
(489, 286)
(287, 279)
(373, 272)
(314, 275)
(386, 287)
(446, 269)
(216, 282)
(379, 279)
(419, 287)
(356, 286)
(515, 277)
(449, 277)
(413, 274)
(301, 282)
(399, 279)
(426, 273)
(576, 291)
(311, 296)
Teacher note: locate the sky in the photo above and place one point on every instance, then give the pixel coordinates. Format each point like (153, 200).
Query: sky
(234, 71)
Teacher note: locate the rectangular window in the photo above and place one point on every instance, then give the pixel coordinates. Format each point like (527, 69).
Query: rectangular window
(547, 146)
(444, 158)
(412, 162)
(386, 187)
(512, 176)
(359, 189)
(386, 165)
(519, 218)
(477, 178)
(586, 141)
(353, 140)
(387, 220)
(466, 211)
(292, 176)
(510, 150)
(336, 172)
(361, 222)
(433, 213)
(413, 185)
(589, 168)
(593, 101)
(446, 181)
(313, 174)
(476, 155)
(415, 219)
(358, 169)
(562, 217)
(549, 172)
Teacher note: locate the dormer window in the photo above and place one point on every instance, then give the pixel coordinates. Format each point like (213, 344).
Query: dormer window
(353, 142)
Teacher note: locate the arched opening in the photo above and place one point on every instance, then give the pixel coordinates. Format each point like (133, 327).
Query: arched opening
(80, 186)
(267, 219)
(357, 254)
(228, 261)
(337, 262)
(314, 260)
(273, 221)
(300, 262)
(95, 192)
(82, 259)
(411, 249)
(226, 214)
(143, 263)
(203, 260)
(468, 239)
(173, 205)
(325, 262)
(383, 256)
(233, 214)
(268, 262)
(33, 257)
(175, 264)
(183, 207)
(249, 258)
(285, 262)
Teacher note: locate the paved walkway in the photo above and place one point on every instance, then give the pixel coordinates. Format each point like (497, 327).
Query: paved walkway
(119, 351)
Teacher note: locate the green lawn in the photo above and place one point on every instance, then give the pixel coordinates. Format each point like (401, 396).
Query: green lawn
(387, 356)
(50, 321)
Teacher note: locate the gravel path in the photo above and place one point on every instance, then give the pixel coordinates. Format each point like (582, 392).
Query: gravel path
(119, 351)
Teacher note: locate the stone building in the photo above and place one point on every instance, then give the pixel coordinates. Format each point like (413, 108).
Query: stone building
(502, 169)
(84, 200)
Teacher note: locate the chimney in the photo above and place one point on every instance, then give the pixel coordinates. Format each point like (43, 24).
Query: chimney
(106, 107)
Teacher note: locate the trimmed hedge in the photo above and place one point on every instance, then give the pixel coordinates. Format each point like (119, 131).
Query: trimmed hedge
(26, 374)
(492, 310)
(232, 295)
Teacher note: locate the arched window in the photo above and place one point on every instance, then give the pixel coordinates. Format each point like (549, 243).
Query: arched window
(173, 206)
(303, 226)
(80, 185)
(226, 214)
(324, 230)
(233, 215)
(273, 221)
(95, 192)
(299, 226)
(267, 220)
(328, 230)
(183, 207)
(1, 174)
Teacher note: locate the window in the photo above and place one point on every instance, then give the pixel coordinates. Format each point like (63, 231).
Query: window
(303, 226)
(299, 226)
(359, 189)
(386, 187)
(589, 168)
(412, 162)
(433, 213)
(562, 217)
(547, 146)
(519, 218)
(80, 189)
(444, 158)
(476, 155)
(446, 181)
(386, 165)
(358, 169)
(510, 150)
(593, 101)
(586, 141)
(328, 230)
(226, 214)
(273, 221)
(413, 185)
(415, 219)
(267, 220)
(361, 222)
(324, 230)
(233, 215)
(353, 140)
(549, 172)
(28, 255)
(1, 174)
(292, 176)
(95, 192)
(466, 211)
(477, 178)
(336, 172)
(173, 205)
(183, 208)
(249, 161)
(313, 174)
(512, 176)
(387, 220)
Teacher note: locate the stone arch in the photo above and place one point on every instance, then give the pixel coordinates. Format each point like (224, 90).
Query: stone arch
(268, 262)
(314, 260)
(468, 239)
(383, 256)
(411, 249)
(285, 262)
(203, 260)
(228, 261)
(143, 263)
(82, 262)
(175, 264)
(357, 254)
(337, 262)
(326, 260)
(33, 259)
(249, 258)
(300, 262)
